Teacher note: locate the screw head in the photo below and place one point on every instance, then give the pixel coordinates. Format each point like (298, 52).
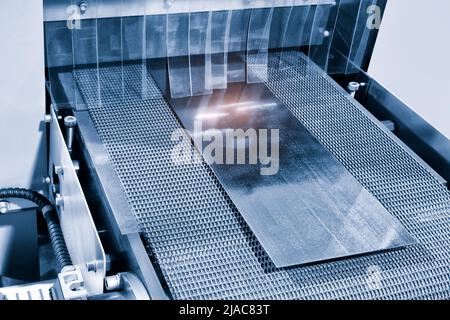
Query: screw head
(59, 170)
(353, 86)
(70, 121)
(4, 206)
(48, 118)
(168, 4)
(113, 283)
(83, 7)
(59, 200)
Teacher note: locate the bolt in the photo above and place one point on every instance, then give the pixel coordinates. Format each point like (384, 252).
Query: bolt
(48, 118)
(83, 7)
(353, 87)
(113, 283)
(59, 170)
(47, 180)
(70, 122)
(4, 206)
(76, 165)
(59, 200)
(326, 33)
(168, 4)
(389, 124)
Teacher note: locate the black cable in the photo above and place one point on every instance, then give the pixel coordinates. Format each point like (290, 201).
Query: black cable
(51, 217)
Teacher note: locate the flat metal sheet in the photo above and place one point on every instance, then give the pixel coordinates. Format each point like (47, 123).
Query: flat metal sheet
(312, 209)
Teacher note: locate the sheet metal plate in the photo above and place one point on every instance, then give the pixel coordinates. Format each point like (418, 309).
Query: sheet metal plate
(311, 209)
(77, 225)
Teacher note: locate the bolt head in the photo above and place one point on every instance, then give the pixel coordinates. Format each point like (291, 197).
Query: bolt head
(113, 283)
(4, 207)
(83, 7)
(59, 170)
(353, 86)
(70, 121)
(59, 200)
(168, 4)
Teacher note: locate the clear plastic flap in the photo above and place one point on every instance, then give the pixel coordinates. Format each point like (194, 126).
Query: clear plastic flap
(237, 45)
(258, 44)
(110, 41)
(295, 32)
(58, 42)
(220, 30)
(322, 33)
(156, 46)
(279, 28)
(200, 53)
(178, 58)
(367, 25)
(342, 36)
(85, 55)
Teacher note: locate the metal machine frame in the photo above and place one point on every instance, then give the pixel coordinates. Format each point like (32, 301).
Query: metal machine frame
(101, 231)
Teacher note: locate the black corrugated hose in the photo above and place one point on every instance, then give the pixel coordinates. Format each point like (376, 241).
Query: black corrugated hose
(51, 217)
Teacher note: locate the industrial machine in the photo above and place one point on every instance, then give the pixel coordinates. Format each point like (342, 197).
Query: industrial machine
(201, 149)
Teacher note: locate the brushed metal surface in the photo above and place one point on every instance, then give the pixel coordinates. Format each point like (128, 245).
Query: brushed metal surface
(77, 225)
(313, 209)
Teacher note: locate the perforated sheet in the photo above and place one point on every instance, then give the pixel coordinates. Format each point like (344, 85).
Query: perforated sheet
(202, 244)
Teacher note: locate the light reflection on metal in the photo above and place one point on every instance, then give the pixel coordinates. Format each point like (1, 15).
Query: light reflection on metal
(211, 115)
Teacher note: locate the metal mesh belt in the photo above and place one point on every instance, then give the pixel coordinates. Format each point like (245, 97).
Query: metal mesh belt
(203, 245)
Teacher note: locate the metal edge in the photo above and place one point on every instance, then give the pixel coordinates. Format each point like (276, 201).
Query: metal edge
(108, 178)
(57, 10)
(425, 140)
(377, 122)
(118, 207)
(143, 267)
(78, 227)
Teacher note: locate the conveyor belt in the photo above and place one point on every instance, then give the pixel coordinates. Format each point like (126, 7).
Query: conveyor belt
(203, 246)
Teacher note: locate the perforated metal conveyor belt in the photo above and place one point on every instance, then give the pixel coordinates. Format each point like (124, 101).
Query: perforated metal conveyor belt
(202, 244)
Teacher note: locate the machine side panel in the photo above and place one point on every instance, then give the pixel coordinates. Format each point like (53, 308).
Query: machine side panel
(22, 94)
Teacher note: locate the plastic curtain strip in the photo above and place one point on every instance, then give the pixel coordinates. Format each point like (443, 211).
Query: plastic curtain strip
(110, 41)
(220, 33)
(258, 44)
(85, 52)
(322, 33)
(294, 32)
(237, 46)
(342, 36)
(200, 53)
(178, 58)
(367, 23)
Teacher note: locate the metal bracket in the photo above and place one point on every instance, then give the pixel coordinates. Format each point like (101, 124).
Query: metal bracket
(76, 221)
